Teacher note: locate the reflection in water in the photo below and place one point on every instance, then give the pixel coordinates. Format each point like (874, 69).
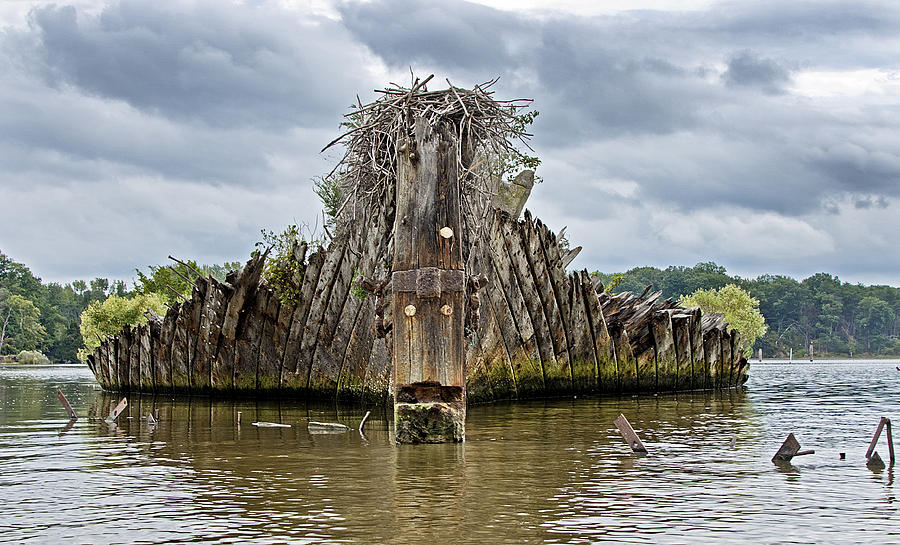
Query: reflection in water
(537, 472)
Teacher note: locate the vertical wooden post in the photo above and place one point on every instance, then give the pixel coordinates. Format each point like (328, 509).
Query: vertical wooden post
(428, 284)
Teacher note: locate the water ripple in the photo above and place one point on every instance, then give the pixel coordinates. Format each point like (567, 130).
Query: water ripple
(537, 472)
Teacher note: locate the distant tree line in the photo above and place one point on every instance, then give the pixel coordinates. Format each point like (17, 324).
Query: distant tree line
(837, 318)
(47, 318)
(44, 317)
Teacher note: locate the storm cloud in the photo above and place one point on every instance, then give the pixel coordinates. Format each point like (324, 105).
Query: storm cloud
(759, 135)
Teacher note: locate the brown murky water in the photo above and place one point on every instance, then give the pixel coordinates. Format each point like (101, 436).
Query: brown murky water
(539, 472)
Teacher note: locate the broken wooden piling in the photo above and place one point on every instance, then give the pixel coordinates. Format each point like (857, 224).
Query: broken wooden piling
(883, 424)
(629, 434)
(117, 410)
(789, 449)
(428, 291)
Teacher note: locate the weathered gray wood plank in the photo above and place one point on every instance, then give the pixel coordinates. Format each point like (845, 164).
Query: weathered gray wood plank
(294, 370)
(582, 354)
(664, 346)
(554, 378)
(248, 334)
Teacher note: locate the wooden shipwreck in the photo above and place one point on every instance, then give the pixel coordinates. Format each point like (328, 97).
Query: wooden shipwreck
(520, 325)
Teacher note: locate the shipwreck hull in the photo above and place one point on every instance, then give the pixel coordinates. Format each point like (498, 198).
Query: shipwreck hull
(533, 329)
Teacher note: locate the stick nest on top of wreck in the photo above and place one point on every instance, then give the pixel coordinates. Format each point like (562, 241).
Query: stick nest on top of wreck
(484, 126)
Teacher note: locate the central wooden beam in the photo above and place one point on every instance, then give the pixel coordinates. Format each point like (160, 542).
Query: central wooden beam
(428, 290)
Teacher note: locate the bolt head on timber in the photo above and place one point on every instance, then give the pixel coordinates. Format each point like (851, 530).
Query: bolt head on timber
(446, 232)
(410, 310)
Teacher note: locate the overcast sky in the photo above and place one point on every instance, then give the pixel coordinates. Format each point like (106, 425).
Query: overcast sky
(764, 136)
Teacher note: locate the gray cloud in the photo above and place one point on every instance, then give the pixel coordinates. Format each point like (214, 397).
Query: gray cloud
(678, 137)
(748, 70)
(452, 35)
(219, 63)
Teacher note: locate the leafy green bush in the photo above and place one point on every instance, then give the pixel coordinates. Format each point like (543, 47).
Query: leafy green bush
(33, 357)
(100, 320)
(286, 263)
(740, 309)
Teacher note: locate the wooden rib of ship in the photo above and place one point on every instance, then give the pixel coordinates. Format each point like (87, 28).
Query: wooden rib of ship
(532, 328)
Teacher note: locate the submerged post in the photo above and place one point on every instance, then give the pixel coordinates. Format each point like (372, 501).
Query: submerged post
(428, 284)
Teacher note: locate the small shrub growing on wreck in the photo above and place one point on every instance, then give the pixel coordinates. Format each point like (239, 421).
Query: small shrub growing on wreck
(286, 262)
(512, 162)
(741, 311)
(102, 319)
(328, 189)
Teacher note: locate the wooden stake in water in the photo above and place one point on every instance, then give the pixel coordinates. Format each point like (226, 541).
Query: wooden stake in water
(65, 403)
(883, 423)
(118, 410)
(789, 449)
(628, 433)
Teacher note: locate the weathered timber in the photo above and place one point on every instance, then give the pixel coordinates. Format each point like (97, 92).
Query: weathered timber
(356, 327)
(664, 350)
(295, 370)
(235, 346)
(246, 352)
(699, 369)
(129, 358)
(181, 369)
(65, 404)
(582, 353)
(341, 309)
(488, 347)
(712, 354)
(626, 363)
(212, 320)
(318, 305)
(117, 410)
(604, 347)
(734, 378)
(101, 368)
(516, 324)
(681, 335)
(555, 378)
(202, 299)
(163, 357)
(725, 362)
(145, 360)
(555, 266)
(629, 435)
(550, 301)
(428, 284)
(267, 363)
